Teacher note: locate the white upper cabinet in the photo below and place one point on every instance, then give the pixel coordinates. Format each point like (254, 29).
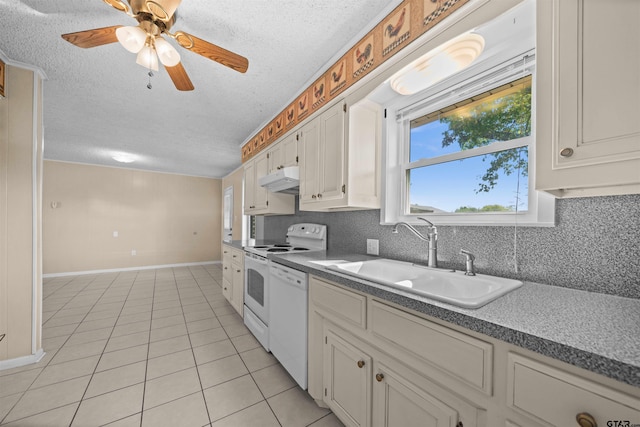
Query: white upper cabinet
(588, 97)
(339, 153)
(284, 153)
(259, 201)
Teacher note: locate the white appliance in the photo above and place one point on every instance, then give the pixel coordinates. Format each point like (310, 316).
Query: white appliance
(288, 320)
(257, 295)
(285, 180)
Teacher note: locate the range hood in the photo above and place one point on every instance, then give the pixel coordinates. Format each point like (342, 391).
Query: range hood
(285, 180)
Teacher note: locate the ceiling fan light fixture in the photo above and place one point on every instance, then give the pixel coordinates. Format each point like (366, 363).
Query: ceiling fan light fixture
(167, 54)
(131, 38)
(147, 58)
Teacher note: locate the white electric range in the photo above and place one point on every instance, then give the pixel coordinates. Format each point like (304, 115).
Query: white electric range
(302, 237)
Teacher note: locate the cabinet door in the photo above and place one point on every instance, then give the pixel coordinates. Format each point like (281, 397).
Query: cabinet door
(261, 169)
(275, 155)
(290, 150)
(347, 380)
(309, 151)
(332, 153)
(237, 292)
(227, 289)
(249, 187)
(398, 402)
(588, 104)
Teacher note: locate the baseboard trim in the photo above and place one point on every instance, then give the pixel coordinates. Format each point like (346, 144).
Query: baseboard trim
(22, 361)
(118, 270)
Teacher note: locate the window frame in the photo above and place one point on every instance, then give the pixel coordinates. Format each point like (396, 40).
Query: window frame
(396, 127)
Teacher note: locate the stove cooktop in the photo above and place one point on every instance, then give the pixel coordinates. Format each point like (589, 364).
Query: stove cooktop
(300, 238)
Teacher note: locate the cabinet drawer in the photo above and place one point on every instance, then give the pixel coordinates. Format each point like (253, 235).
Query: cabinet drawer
(237, 257)
(461, 356)
(338, 303)
(556, 397)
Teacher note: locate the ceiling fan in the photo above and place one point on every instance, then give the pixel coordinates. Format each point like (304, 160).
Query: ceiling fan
(155, 18)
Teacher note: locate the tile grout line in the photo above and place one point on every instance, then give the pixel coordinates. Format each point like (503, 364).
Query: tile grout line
(69, 337)
(146, 367)
(105, 344)
(264, 399)
(206, 405)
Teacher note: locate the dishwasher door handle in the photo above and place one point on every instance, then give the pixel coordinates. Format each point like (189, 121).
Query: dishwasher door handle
(294, 283)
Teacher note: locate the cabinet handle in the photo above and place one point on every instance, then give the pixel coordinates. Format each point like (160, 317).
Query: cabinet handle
(585, 419)
(566, 152)
(225, 268)
(237, 271)
(360, 363)
(379, 377)
(319, 196)
(313, 196)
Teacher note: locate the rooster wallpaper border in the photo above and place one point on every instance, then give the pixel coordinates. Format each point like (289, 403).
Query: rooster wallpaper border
(398, 29)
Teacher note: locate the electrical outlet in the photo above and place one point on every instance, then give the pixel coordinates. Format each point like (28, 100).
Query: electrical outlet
(115, 234)
(134, 252)
(372, 247)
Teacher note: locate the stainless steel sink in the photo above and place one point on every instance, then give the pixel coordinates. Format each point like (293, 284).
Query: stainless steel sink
(444, 285)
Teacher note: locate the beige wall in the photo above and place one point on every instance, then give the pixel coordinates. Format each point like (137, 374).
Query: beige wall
(234, 179)
(20, 264)
(166, 219)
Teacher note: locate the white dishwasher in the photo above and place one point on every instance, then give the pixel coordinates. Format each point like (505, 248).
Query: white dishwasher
(288, 320)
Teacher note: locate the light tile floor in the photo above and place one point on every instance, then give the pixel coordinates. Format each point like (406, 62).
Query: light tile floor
(151, 348)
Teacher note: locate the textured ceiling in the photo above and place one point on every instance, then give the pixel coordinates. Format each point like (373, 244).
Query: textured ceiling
(96, 101)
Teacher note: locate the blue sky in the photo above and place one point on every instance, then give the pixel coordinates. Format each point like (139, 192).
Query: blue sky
(448, 186)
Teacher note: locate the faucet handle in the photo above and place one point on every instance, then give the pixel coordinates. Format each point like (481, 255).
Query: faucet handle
(468, 254)
(470, 269)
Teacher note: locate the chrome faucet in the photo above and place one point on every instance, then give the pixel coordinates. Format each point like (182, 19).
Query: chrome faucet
(432, 238)
(470, 269)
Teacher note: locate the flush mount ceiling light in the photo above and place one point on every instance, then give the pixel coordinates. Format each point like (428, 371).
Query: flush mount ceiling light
(438, 64)
(155, 19)
(124, 158)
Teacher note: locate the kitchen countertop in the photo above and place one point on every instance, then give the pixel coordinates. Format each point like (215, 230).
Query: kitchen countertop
(597, 332)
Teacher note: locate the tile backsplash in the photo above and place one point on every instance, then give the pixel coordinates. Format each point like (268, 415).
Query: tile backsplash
(595, 245)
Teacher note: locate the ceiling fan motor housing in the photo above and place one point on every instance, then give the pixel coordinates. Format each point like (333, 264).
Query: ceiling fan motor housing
(161, 12)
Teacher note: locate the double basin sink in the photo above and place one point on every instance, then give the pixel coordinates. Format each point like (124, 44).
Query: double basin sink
(453, 287)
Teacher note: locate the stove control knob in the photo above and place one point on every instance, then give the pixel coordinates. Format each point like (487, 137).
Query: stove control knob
(316, 230)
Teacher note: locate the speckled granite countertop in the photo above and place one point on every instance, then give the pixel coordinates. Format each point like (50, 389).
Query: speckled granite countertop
(597, 332)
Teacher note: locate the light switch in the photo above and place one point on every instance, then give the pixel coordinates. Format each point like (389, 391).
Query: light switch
(115, 234)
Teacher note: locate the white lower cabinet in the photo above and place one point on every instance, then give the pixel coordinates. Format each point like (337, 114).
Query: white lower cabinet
(378, 365)
(559, 398)
(347, 380)
(397, 401)
(365, 387)
(233, 277)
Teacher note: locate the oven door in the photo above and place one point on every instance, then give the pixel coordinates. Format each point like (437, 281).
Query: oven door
(256, 290)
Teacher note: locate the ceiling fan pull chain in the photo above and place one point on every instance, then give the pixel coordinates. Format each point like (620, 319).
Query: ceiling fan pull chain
(150, 74)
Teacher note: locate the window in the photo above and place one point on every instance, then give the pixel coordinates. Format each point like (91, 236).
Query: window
(480, 145)
(462, 153)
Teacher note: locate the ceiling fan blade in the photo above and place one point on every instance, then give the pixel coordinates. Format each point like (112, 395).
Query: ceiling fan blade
(213, 52)
(179, 76)
(93, 38)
